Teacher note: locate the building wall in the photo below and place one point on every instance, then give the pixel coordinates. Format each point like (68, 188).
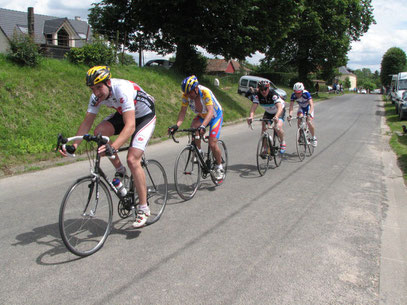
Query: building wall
(4, 43)
(352, 79)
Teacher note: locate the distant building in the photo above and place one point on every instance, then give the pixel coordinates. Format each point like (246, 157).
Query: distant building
(346, 73)
(220, 66)
(54, 35)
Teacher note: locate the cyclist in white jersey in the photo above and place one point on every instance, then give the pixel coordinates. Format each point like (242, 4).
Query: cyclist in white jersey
(134, 118)
(305, 107)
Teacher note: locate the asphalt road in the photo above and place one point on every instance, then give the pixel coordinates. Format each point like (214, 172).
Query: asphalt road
(328, 230)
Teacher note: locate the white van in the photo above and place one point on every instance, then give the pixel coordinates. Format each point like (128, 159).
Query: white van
(397, 94)
(248, 81)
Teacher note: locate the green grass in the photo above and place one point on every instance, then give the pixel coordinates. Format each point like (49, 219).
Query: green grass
(398, 142)
(38, 103)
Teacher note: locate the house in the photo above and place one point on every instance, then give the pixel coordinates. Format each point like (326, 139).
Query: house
(346, 73)
(220, 66)
(54, 35)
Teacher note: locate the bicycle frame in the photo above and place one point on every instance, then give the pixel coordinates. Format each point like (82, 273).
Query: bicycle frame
(206, 163)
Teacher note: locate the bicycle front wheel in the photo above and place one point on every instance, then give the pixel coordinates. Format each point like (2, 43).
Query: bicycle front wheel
(157, 189)
(263, 154)
(224, 161)
(278, 156)
(187, 173)
(85, 216)
(301, 144)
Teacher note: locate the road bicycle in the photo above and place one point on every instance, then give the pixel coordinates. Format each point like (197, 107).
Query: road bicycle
(268, 147)
(86, 212)
(191, 165)
(303, 139)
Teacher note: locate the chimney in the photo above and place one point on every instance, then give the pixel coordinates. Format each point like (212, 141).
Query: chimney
(30, 22)
(78, 18)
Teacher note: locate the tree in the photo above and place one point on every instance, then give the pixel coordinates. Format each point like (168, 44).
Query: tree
(321, 35)
(393, 62)
(347, 83)
(233, 29)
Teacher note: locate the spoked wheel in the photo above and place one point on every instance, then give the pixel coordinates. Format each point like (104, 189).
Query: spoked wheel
(301, 144)
(85, 216)
(157, 189)
(224, 156)
(187, 174)
(278, 156)
(263, 155)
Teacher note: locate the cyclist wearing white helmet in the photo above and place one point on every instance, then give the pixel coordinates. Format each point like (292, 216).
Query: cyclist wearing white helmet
(305, 107)
(134, 118)
(209, 112)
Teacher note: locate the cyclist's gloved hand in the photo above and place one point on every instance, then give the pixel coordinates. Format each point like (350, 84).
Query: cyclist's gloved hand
(289, 117)
(172, 129)
(249, 121)
(202, 129)
(110, 151)
(70, 149)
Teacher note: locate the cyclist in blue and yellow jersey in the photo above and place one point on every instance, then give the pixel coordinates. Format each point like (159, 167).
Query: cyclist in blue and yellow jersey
(305, 107)
(274, 108)
(209, 112)
(134, 119)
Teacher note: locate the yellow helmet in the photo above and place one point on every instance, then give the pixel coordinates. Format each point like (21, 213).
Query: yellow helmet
(97, 74)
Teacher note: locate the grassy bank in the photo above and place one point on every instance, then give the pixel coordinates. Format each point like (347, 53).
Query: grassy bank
(398, 141)
(38, 103)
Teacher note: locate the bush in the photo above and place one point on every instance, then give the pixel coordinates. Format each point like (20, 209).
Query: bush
(93, 54)
(24, 51)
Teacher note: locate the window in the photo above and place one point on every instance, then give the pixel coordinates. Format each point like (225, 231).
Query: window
(244, 82)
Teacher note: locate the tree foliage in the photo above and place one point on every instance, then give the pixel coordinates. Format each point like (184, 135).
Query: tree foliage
(308, 34)
(233, 29)
(321, 35)
(24, 51)
(393, 62)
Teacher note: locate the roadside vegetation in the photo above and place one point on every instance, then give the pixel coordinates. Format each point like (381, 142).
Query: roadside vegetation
(398, 140)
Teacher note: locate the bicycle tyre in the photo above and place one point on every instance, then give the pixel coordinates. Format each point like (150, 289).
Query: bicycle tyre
(301, 144)
(187, 174)
(263, 157)
(224, 156)
(277, 155)
(157, 189)
(83, 233)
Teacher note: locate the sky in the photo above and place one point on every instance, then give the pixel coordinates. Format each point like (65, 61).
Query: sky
(390, 30)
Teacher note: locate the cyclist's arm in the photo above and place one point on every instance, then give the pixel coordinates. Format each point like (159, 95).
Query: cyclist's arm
(85, 126)
(311, 105)
(181, 115)
(252, 110)
(279, 110)
(209, 115)
(290, 112)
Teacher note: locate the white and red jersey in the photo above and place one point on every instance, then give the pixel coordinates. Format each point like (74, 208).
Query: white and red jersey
(125, 95)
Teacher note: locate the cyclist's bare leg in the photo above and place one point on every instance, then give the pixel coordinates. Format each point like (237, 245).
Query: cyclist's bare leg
(213, 144)
(311, 126)
(280, 131)
(195, 124)
(139, 178)
(300, 115)
(106, 129)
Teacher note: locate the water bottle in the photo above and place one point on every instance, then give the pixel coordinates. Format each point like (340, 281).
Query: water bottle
(119, 186)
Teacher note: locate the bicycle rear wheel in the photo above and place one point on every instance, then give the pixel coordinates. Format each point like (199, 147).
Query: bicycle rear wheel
(278, 156)
(301, 144)
(157, 189)
(187, 173)
(224, 157)
(85, 216)
(263, 154)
